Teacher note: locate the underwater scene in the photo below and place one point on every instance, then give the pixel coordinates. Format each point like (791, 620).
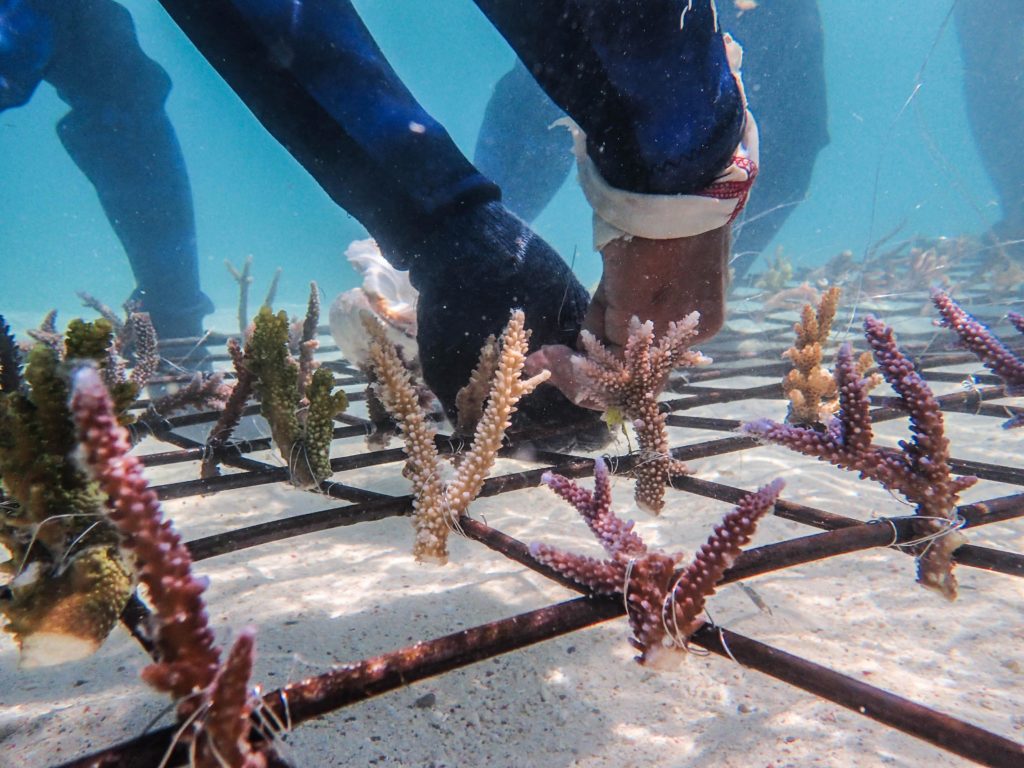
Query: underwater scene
(570, 383)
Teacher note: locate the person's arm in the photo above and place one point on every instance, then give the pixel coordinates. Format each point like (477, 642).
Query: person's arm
(26, 44)
(666, 150)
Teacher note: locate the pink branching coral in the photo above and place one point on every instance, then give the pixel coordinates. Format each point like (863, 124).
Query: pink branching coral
(919, 469)
(993, 354)
(188, 663)
(632, 385)
(663, 609)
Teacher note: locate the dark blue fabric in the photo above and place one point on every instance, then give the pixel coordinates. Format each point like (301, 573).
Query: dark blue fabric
(118, 134)
(784, 77)
(518, 148)
(991, 33)
(661, 109)
(26, 43)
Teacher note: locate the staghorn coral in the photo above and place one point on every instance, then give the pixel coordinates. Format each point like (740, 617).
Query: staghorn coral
(786, 298)
(986, 346)
(231, 414)
(10, 360)
(67, 580)
(295, 396)
(811, 389)
(663, 608)
(919, 469)
(470, 399)
(632, 385)
(438, 505)
(204, 391)
(187, 662)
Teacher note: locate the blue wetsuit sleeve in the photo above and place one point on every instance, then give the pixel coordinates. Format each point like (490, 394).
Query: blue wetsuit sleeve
(26, 44)
(313, 76)
(649, 82)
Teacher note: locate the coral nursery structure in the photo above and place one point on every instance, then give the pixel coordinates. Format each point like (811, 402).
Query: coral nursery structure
(986, 346)
(335, 600)
(439, 504)
(919, 470)
(632, 385)
(664, 608)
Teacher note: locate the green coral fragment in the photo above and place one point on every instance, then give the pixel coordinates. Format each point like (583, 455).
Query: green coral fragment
(323, 407)
(65, 569)
(295, 396)
(66, 614)
(277, 376)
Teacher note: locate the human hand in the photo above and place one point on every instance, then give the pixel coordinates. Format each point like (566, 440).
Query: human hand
(659, 280)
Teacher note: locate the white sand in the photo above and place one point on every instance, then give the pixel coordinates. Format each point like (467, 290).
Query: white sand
(345, 594)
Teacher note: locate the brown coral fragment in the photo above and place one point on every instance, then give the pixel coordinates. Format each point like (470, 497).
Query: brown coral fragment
(919, 469)
(811, 389)
(438, 505)
(632, 385)
(470, 400)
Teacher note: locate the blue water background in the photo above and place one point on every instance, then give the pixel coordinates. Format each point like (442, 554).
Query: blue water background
(888, 161)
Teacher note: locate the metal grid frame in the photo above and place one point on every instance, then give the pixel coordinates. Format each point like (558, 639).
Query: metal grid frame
(838, 535)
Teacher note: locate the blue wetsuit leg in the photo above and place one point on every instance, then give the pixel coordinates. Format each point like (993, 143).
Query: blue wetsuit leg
(518, 148)
(648, 81)
(784, 77)
(118, 134)
(990, 33)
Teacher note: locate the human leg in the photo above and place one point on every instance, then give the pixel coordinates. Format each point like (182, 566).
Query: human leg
(119, 135)
(990, 33)
(784, 75)
(517, 146)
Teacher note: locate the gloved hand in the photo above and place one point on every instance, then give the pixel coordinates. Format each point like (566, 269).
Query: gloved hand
(26, 44)
(471, 271)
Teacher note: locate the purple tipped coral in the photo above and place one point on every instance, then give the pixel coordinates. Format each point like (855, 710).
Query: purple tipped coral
(993, 354)
(660, 606)
(919, 470)
(188, 663)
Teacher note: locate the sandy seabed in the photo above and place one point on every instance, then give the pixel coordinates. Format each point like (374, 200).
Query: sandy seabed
(338, 596)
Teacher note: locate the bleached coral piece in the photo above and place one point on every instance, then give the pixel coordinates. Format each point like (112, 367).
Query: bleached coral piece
(663, 608)
(437, 505)
(632, 385)
(385, 293)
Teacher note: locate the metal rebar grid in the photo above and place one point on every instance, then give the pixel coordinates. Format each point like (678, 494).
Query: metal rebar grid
(837, 535)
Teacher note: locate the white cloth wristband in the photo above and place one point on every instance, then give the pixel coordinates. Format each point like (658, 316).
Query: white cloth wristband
(619, 213)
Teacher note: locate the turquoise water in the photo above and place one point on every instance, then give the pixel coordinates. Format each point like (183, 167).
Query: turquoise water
(887, 161)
